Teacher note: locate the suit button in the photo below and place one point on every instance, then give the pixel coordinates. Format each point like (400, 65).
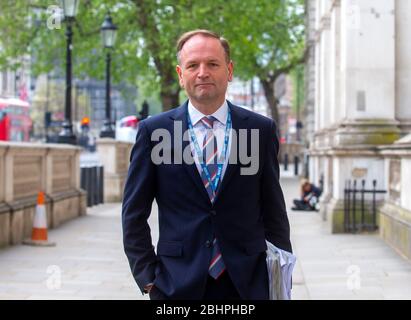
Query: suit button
(213, 212)
(208, 243)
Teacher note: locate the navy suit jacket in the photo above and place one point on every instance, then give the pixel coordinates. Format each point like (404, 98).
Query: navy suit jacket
(248, 209)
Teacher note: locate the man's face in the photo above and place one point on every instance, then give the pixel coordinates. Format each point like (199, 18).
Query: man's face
(307, 187)
(203, 71)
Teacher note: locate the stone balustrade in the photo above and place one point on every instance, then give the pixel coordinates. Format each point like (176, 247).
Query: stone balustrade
(26, 169)
(115, 157)
(395, 215)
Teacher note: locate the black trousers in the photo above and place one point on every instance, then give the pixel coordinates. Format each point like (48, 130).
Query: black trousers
(220, 289)
(156, 294)
(301, 205)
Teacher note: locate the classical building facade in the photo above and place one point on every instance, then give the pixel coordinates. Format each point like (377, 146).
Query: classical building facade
(358, 81)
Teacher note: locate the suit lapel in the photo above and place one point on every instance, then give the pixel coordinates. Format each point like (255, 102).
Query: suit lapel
(237, 123)
(191, 169)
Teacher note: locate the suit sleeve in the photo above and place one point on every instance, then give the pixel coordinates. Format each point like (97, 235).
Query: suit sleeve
(138, 198)
(276, 225)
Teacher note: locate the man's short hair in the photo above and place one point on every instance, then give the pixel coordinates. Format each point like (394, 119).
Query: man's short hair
(304, 182)
(207, 33)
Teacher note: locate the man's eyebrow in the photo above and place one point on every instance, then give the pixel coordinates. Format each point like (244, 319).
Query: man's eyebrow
(208, 60)
(190, 62)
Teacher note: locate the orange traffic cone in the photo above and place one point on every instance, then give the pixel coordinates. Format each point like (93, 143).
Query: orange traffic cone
(39, 233)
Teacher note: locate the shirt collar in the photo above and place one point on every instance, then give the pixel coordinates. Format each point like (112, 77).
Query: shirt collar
(196, 115)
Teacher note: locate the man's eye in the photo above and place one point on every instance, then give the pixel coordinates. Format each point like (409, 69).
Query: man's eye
(190, 66)
(214, 64)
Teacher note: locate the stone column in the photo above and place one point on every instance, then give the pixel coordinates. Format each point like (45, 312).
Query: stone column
(403, 64)
(364, 90)
(367, 97)
(317, 64)
(115, 156)
(309, 108)
(325, 55)
(368, 73)
(324, 64)
(335, 98)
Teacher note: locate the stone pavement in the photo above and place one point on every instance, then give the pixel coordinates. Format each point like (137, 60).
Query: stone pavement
(88, 261)
(342, 266)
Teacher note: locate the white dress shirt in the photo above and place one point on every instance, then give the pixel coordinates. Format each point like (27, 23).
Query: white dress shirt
(219, 132)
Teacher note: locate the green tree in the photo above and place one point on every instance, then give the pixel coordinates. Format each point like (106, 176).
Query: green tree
(268, 42)
(266, 38)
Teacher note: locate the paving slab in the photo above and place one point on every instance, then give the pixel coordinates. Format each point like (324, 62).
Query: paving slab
(88, 261)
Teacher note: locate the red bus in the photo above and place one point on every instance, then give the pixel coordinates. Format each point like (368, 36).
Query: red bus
(15, 121)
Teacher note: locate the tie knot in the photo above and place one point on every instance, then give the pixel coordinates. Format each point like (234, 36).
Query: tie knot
(208, 121)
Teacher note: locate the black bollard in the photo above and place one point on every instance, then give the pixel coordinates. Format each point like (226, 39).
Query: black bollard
(92, 185)
(286, 162)
(296, 160)
(88, 186)
(101, 184)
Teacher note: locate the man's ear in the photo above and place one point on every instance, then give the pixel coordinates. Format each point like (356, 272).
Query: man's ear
(230, 71)
(180, 76)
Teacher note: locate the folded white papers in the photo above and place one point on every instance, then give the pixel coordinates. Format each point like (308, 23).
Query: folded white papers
(280, 265)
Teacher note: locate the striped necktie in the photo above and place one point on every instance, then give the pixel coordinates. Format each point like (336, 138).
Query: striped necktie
(217, 266)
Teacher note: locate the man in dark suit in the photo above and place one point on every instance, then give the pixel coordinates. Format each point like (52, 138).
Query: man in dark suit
(216, 211)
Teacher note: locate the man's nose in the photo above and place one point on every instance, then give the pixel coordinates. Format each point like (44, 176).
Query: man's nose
(203, 71)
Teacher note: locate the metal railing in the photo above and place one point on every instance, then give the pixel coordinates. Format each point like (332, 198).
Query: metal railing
(367, 219)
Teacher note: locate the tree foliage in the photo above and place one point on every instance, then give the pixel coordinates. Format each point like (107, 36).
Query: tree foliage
(266, 38)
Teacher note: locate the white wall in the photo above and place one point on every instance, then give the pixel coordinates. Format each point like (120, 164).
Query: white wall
(368, 58)
(403, 59)
(406, 183)
(343, 170)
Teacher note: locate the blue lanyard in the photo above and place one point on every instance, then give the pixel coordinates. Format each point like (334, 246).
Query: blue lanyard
(220, 163)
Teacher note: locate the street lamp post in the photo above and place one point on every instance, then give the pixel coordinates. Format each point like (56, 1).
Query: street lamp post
(67, 135)
(108, 34)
